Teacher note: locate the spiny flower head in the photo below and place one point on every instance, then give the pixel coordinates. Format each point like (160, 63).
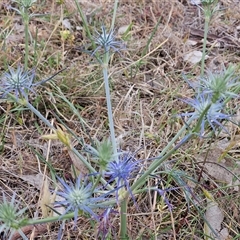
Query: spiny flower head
(212, 116)
(78, 197)
(25, 3)
(107, 41)
(207, 2)
(122, 171)
(11, 218)
(102, 154)
(220, 85)
(20, 81)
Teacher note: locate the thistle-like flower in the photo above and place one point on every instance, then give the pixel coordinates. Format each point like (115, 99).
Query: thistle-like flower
(25, 3)
(78, 197)
(11, 218)
(106, 41)
(212, 116)
(207, 2)
(102, 154)
(20, 82)
(123, 171)
(222, 85)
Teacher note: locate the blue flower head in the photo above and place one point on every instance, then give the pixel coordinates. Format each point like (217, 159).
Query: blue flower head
(78, 197)
(123, 171)
(20, 82)
(212, 117)
(106, 41)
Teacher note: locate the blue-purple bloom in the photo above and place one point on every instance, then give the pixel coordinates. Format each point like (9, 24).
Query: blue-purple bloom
(107, 41)
(213, 115)
(20, 81)
(79, 197)
(123, 171)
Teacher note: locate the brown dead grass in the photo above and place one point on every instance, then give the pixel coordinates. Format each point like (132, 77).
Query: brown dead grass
(143, 102)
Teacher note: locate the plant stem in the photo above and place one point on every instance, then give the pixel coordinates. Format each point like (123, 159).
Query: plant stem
(155, 164)
(26, 33)
(207, 14)
(123, 219)
(41, 117)
(74, 150)
(114, 14)
(162, 157)
(109, 104)
(50, 219)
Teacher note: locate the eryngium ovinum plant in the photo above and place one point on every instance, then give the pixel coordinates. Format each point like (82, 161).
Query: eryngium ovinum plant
(111, 186)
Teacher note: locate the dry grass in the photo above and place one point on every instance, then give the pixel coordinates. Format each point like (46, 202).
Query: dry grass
(144, 99)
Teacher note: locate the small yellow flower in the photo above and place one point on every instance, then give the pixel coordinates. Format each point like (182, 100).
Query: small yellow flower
(60, 135)
(65, 34)
(208, 195)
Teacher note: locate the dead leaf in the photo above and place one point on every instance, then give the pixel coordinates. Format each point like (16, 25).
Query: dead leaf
(191, 42)
(66, 23)
(219, 166)
(214, 217)
(45, 199)
(123, 29)
(194, 57)
(195, 2)
(34, 180)
(220, 41)
(60, 210)
(78, 164)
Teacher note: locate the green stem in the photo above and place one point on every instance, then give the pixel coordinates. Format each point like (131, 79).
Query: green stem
(74, 150)
(180, 132)
(97, 182)
(166, 153)
(26, 32)
(114, 14)
(50, 219)
(155, 164)
(207, 14)
(63, 217)
(36, 112)
(123, 220)
(109, 104)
